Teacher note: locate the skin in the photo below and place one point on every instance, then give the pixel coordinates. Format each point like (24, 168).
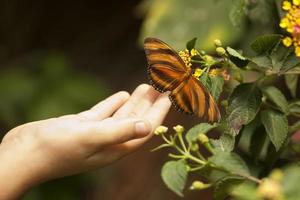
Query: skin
(43, 150)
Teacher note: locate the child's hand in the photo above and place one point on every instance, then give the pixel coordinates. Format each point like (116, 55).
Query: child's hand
(43, 150)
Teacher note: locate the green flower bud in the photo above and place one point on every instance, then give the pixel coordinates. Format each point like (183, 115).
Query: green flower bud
(203, 138)
(220, 51)
(199, 185)
(160, 130)
(178, 129)
(218, 43)
(194, 147)
(208, 59)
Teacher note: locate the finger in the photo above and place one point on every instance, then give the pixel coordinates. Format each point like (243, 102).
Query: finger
(112, 131)
(155, 115)
(106, 107)
(144, 93)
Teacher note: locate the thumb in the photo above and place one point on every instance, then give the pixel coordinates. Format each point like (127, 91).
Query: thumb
(116, 131)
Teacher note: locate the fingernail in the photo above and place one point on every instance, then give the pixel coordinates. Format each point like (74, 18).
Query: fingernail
(141, 128)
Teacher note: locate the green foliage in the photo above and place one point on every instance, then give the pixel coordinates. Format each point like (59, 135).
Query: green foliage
(264, 44)
(225, 186)
(276, 125)
(244, 103)
(254, 134)
(174, 174)
(203, 128)
(275, 96)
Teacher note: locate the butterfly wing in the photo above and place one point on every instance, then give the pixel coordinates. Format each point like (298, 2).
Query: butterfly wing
(192, 97)
(166, 69)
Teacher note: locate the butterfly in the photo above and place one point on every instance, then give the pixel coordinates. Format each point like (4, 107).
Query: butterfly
(168, 72)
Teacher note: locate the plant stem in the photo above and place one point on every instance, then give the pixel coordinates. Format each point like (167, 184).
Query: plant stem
(182, 142)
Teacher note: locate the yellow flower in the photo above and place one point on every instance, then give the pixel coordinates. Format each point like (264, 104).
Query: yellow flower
(291, 24)
(186, 57)
(286, 5)
(297, 51)
(287, 41)
(296, 2)
(198, 72)
(194, 52)
(284, 23)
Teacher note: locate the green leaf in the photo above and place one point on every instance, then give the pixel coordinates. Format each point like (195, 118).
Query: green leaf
(237, 58)
(265, 43)
(224, 143)
(235, 53)
(276, 125)
(294, 107)
(237, 12)
(291, 62)
(226, 185)
(244, 104)
(276, 96)
(216, 87)
(203, 128)
(279, 55)
(174, 175)
(291, 81)
(205, 80)
(191, 44)
(230, 162)
(262, 62)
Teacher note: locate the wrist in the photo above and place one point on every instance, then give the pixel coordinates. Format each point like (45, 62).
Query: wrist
(16, 175)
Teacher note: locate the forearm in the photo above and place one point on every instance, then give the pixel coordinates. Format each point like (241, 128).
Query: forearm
(15, 178)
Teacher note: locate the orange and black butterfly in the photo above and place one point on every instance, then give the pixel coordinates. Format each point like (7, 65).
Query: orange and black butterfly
(168, 72)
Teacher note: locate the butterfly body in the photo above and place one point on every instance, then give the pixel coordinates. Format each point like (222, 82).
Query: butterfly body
(168, 72)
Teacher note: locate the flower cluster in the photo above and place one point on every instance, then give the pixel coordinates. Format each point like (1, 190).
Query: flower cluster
(291, 23)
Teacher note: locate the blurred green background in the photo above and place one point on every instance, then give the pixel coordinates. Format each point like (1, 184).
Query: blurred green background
(61, 57)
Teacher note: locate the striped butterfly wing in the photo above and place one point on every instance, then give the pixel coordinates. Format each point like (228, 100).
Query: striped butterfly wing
(192, 97)
(166, 70)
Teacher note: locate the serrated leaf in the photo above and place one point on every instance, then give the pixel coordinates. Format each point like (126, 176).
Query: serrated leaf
(276, 125)
(226, 185)
(224, 143)
(174, 175)
(237, 12)
(229, 161)
(203, 128)
(191, 44)
(244, 104)
(216, 87)
(276, 96)
(265, 43)
(291, 81)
